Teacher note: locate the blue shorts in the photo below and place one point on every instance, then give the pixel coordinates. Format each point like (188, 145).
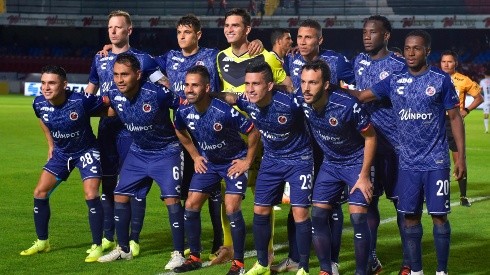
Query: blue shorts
(165, 170)
(210, 181)
(272, 177)
(88, 163)
(412, 185)
(330, 184)
(384, 174)
(114, 146)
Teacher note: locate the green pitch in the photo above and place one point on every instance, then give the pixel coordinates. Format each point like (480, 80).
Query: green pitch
(23, 152)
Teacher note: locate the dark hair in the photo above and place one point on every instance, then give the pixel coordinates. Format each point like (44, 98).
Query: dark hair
(121, 13)
(54, 69)
(190, 20)
(310, 23)
(423, 34)
(200, 70)
(128, 59)
(246, 19)
(320, 65)
(278, 34)
(396, 50)
(386, 23)
(259, 66)
(450, 52)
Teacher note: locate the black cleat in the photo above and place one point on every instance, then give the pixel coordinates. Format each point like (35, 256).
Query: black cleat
(192, 263)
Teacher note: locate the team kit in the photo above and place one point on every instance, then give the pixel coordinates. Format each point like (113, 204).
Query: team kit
(206, 125)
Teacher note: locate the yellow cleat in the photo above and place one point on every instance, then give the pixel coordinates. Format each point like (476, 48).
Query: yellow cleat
(38, 246)
(258, 269)
(96, 251)
(135, 248)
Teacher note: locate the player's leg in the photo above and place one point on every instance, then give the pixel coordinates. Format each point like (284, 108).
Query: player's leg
(486, 111)
(336, 220)
(436, 184)
(214, 207)
(95, 217)
(462, 183)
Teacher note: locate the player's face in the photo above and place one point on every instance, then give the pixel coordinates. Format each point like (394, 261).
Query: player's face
(126, 79)
(257, 89)
(187, 37)
(312, 86)
(448, 64)
(195, 88)
(308, 42)
(415, 52)
(52, 87)
(235, 31)
(374, 36)
(119, 30)
(286, 41)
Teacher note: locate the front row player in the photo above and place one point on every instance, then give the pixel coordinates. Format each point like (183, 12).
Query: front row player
(333, 117)
(144, 108)
(65, 119)
(222, 154)
(421, 95)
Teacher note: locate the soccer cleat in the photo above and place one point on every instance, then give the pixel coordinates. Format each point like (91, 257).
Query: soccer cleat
(324, 273)
(335, 268)
(405, 270)
(302, 271)
(38, 246)
(286, 265)
(258, 269)
(223, 255)
(187, 252)
(192, 263)
(464, 201)
(237, 268)
(441, 273)
(96, 251)
(176, 260)
(135, 248)
(106, 245)
(277, 208)
(376, 267)
(116, 254)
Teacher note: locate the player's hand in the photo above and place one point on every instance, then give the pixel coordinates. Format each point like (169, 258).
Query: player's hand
(255, 47)
(365, 186)
(164, 81)
(50, 153)
(293, 50)
(200, 165)
(105, 50)
(460, 169)
(463, 113)
(238, 167)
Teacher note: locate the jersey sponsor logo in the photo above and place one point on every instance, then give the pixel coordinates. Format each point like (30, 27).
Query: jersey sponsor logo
(298, 62)
(146, 107)
(178, 86)
(282, 119)
(405, 80)
(365, 62)
(274, 136)
(180, 59)
(430, 91)
(228, 59)
(73, 116)
(192, 116)
(409, 115)
(217, 127)
(383, 75)
(204, 146)
(60, 135)
(106, 58)
(119, 98)
(328, 138)
(333, 121)
(138, 128)
(47, 109)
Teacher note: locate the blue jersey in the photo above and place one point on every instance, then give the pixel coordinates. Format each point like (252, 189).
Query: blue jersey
(337, 128)
(282, 127)
(69, 123)
(175, 66)
(420, 103)
(369, 72)
(340, 67)
(217, 131)
(147, 117)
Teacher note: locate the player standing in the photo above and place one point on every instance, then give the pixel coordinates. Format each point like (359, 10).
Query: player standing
(421, 95)
(464, 86)
(485, 86)
(65, 119)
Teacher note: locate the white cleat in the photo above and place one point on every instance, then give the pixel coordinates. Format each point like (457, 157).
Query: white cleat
(176, 260)
(116, 254)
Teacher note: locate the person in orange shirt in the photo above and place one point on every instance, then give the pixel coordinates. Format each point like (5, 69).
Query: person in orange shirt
(464, 86)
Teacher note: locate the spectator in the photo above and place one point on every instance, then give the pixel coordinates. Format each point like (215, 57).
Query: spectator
(222, 6)
(210, 7)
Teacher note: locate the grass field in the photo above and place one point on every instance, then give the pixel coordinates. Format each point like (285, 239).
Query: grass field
(23, 153)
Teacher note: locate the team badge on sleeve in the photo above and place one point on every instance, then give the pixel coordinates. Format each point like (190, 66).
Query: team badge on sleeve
(146, 107)
(73, 115)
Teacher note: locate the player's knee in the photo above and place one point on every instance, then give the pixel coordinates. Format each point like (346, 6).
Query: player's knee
(40, 194)
(439, 219)
(300, 214)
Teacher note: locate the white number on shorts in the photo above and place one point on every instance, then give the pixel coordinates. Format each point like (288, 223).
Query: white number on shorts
(306, 182)
(175, 172)
(86, 160)
(443, 187)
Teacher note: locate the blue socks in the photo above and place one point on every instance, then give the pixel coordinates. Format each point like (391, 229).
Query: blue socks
(192, 225)
(138, 208)
(362, 241)
(400, 220)
(293, 244)
(322, 236)
(42, 213)
(122, 218)
(237, 228)
(413, 237)
(304, 239)
(176, 217)
(442, 238)
(107, 199)
(96, 219)
(214, 206)
(373, 223)
(336, 225)
(262, 235)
